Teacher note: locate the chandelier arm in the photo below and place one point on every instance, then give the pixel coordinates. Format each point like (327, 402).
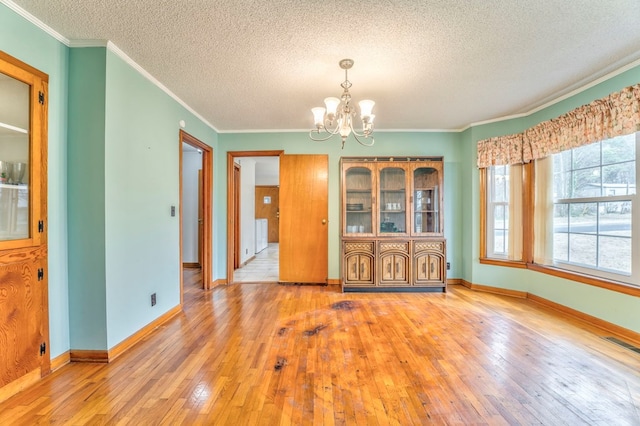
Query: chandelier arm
(357, 136)
(311, 132)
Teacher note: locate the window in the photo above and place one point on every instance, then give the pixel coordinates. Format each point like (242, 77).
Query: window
(594, 189)
(504, 212)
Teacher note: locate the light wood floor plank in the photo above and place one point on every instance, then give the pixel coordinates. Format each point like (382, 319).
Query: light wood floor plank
(281, 355)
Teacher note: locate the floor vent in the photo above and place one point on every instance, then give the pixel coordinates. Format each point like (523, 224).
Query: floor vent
(623, 344)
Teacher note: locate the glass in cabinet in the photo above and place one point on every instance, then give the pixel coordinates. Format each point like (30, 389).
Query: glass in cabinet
(358, 183)
(426, 200)
(14, 159)
(392, 200)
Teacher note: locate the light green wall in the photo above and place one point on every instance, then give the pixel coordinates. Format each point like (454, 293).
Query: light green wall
(141, 184)
(86, 202)
(387, 144)
(31, 45)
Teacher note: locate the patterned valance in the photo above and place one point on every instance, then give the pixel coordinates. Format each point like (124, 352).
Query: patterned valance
(615, 115)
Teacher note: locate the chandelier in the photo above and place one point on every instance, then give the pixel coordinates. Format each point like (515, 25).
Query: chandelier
(338, 116)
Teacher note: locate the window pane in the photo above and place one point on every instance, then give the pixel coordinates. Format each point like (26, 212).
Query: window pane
(562, 185)
(619, 179)
(619, 149)
(586, 183)
(615, 218)
(614, 253)
(499, 220)
(499, 241)
(586, 156)
(583, 249)
(499, 186)
(561, 246)
(583, 218)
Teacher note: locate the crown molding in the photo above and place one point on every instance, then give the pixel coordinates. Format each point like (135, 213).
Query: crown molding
(35, 21)
(116, 50)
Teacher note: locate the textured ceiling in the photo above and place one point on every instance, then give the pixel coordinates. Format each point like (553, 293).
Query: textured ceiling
(247, 65)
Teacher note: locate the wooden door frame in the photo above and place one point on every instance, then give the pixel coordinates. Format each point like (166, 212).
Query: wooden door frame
(231, 156)
(237, 183)
(207, 203)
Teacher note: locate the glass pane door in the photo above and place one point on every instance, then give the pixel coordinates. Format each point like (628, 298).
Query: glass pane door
(358, 212)
(393, 201)
(426, 200)
(14, 159)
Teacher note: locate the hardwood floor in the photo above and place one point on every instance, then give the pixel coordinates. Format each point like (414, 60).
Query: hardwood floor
(271, 354)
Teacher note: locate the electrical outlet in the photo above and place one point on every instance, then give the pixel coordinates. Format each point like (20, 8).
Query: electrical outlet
(448, 266)
(153, 299)
(173, 211)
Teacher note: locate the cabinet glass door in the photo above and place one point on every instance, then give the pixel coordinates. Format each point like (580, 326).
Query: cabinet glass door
(392, 200)
(426, 216)
(358, 205)
(14, 159)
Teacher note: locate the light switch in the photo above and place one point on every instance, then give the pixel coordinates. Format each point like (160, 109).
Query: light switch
(173, 211)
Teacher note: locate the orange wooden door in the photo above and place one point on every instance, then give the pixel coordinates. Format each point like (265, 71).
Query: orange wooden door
(304, 218)
(269, 210)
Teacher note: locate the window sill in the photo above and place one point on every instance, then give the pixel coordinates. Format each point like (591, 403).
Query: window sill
(503, 262)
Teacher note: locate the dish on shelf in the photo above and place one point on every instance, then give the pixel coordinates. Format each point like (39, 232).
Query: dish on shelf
(354, 206)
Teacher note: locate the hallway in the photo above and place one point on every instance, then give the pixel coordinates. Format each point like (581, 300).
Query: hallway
(263, 268)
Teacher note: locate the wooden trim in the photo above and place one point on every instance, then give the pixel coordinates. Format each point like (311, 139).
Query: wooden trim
(483, 213)
(207, 200)
(334, 281)
(495, 290)
(18, 385)
(607, 327)
(60, 361)
(454, 281)
(617, 286)
(130, 341)
(79, 355)
(19, 64)
(219, 282)
(231, 155)
(528, 205)
(190, 265)
(503, 262)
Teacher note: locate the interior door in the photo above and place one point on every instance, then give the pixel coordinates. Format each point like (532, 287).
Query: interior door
(303, 218)
(267, 205)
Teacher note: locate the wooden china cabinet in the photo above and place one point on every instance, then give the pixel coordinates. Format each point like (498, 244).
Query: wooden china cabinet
(24, 318)
(392, 227)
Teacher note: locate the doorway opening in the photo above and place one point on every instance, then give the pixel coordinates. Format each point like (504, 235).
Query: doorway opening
(196, 171)
(253, 216)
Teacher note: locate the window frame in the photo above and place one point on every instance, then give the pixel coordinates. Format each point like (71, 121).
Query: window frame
(579, 275)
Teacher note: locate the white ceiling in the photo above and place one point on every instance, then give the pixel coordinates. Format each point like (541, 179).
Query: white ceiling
(249, 65)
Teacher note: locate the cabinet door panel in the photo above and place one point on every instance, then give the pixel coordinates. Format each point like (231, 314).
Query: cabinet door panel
(366, 263)
(352, 267)
(422, 271)
(21, 310)
(387, 267)
(435, 267)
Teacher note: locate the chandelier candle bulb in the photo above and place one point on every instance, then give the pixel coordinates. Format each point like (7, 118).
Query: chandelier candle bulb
(318, 116)
(338, 116)
(366, 106)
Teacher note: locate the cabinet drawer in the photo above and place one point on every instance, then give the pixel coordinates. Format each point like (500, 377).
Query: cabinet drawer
(359, 246)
